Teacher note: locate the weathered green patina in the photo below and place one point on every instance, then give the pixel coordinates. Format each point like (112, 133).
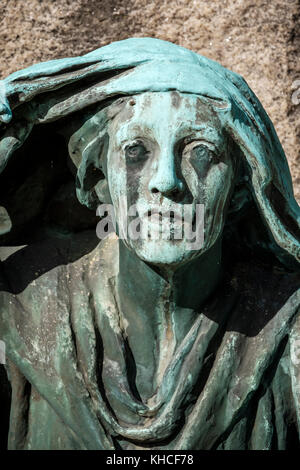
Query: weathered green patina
(136, 343)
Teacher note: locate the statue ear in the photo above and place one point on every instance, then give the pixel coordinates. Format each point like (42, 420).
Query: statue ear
(102, 191)
(91, 183)
(91, 178)
(93, 188)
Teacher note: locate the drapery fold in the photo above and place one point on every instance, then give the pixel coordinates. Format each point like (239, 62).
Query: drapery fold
(65, 352)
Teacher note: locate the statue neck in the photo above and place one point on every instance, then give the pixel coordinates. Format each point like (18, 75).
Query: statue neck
(148, 288)
(158, 308)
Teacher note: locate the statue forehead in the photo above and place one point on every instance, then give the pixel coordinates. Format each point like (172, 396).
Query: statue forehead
(151, 105)
(164, 111)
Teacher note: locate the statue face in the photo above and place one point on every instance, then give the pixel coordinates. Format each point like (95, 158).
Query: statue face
(168, 150)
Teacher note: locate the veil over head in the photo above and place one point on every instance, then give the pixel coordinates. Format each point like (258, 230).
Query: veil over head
(56, 89)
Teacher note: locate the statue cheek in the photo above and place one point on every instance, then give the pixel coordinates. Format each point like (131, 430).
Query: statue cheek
(200, 175)
(217, 190)
(219, 179)
(201, 167)
(134, 178)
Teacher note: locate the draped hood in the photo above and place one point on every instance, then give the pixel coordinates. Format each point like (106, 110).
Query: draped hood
(52, 90)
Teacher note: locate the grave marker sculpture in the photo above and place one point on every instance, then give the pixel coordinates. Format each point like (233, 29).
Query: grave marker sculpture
(137, 343)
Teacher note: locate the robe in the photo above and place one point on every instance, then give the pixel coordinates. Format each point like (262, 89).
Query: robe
(76, 371)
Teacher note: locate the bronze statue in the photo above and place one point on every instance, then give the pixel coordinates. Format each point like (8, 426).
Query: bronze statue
(141, 342)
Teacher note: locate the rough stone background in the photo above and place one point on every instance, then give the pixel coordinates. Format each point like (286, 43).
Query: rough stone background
(256, 38)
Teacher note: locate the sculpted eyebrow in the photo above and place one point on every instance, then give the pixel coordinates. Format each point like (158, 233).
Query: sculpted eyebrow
(132, 133)
(202, 133)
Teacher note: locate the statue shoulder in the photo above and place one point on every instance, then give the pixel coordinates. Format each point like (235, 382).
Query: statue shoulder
(39, 281)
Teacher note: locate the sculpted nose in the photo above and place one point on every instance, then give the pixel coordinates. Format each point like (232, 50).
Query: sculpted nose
(165, 180)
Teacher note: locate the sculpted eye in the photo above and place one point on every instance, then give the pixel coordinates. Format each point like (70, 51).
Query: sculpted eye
(201, 152)
(136, 151)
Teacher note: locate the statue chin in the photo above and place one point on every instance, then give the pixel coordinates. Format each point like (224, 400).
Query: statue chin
(167, 253)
